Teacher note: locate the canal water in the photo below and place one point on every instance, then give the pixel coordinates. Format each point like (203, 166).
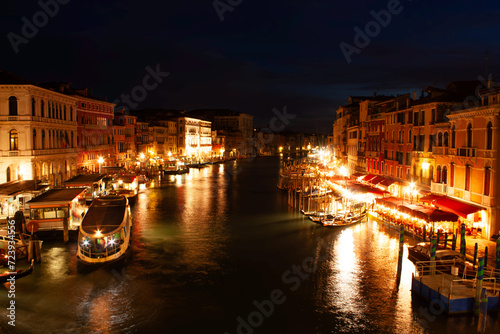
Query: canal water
(218, 250)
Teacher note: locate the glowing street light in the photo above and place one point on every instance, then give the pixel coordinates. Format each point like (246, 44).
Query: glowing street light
(100, 161)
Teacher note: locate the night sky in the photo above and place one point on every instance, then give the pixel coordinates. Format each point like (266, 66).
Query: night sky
(262, 55)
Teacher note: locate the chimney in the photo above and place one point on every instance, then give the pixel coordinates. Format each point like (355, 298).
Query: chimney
(414, 95)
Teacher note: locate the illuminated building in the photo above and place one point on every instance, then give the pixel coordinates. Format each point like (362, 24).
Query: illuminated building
(39, 131)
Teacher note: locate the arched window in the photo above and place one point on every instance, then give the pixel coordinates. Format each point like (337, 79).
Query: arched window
(469, 135)
(64, 113)
(431, 174)
(453, 137)
(43, 139)
(33, 107)
(50, 139)
(72, 143)
(489, 136)
(409, 136)
(445, 139)
(444, 175)
(8, 174)
(12, 106)
(440, 139)
(13, 140)
(34, 139)
(438, 174)
(42, 108)
(71, 113)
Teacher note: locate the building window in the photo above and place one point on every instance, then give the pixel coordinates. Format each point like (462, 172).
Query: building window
(34, 139)
(409, 136)
(453, 137)
(467, 177)
(469, 135)
(444, 175)
(487, 180)
(489, 136)
(452, 175)
(438, 174)
(440, 139)
(43, 139)
(33, 107)
(42, 108)
(445, 141)
(12, 106)
(13, 140)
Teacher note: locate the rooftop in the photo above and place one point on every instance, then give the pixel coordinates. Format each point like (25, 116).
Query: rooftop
(57, 196)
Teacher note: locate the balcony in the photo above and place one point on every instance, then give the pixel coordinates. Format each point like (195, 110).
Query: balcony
(466, 152)
(439, 188)
(440, 150)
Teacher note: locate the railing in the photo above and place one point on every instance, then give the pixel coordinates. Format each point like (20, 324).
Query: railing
(55, 151)
(466, 152)
(95, 254)
(440, 188)
(440, 150)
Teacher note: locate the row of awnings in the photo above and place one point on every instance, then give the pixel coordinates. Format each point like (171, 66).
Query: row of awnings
(376, 179)
(444, 209)
(357, 187)
(452, 205)
(427, 213)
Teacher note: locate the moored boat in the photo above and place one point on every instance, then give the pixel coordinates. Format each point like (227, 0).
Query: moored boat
(126, 185)
(104, 234)
(344, 220)
(15, 275)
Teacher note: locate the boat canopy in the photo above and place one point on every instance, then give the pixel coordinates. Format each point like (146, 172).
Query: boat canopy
(105, 215)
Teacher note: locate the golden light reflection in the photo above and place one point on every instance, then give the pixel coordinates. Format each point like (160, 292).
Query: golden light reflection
(345, 281)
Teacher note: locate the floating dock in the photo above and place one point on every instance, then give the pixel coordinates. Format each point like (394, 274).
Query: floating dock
(454, 295)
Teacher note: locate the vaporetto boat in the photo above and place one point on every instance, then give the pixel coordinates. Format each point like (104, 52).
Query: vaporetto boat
(105, 230)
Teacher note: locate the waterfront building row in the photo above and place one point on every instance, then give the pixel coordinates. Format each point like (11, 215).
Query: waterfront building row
(441, 141)
(51, 132)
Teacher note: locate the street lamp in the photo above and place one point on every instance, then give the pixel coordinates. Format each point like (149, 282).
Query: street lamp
(100, 161)
(411, 191)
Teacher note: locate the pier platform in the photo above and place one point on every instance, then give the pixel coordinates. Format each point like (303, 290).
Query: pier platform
(454, 295)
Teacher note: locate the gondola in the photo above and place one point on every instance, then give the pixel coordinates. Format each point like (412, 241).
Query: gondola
(5, 277)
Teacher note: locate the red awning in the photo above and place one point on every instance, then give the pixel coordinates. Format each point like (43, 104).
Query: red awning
(460, 208)
(430, 198)
(386, 182)
(356, 175)
(427, 213)
(391, 202)
(376, 180)
(368, 177)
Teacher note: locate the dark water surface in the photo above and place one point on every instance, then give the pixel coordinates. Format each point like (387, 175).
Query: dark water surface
(218, 250)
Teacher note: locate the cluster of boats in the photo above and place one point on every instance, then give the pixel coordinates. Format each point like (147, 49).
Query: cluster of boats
(355, 213)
